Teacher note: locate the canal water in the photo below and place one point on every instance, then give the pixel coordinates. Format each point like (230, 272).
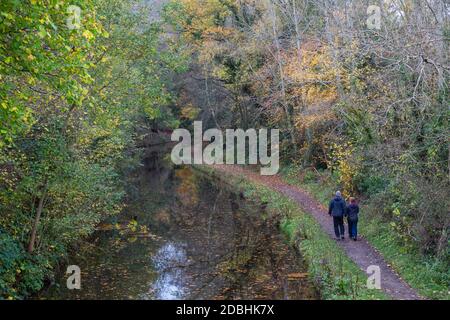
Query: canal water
(183, 235)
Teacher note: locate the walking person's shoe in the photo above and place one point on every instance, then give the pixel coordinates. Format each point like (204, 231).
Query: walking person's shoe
(342, 238)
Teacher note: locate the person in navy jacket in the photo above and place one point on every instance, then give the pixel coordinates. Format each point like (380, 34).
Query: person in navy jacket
(337, 210)
(352, 214)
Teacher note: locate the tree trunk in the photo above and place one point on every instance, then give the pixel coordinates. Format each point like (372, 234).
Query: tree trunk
(36, 223)
(289, 121)
(307, 159)
(297, 31)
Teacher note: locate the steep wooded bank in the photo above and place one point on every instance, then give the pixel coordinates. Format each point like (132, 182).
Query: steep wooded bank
(73, 99)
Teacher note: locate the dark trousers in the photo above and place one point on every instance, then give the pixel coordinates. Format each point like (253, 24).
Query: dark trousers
(352, 228)
(339, 226)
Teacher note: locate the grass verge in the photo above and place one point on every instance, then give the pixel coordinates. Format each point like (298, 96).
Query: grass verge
(428, 276)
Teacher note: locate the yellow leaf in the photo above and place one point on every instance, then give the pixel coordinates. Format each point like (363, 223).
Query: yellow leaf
(88, 35)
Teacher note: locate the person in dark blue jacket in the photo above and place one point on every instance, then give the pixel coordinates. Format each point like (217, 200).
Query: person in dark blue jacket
(337, 210)
(352, 213)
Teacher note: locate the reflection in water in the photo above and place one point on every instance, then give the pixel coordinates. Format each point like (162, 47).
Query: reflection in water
(203, 242)
(187, 190)
(169, 262)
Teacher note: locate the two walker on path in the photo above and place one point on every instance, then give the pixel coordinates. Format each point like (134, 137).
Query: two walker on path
(339, 209)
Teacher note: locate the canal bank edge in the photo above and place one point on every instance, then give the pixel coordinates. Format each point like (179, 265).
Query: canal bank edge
(334, 274)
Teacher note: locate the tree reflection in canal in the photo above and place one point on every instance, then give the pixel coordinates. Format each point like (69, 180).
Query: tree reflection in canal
(185, 236)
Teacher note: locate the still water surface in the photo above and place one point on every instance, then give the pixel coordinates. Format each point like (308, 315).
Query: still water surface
(183, 235)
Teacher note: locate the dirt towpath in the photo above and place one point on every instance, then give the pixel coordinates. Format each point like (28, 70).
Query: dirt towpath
(361, 252)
